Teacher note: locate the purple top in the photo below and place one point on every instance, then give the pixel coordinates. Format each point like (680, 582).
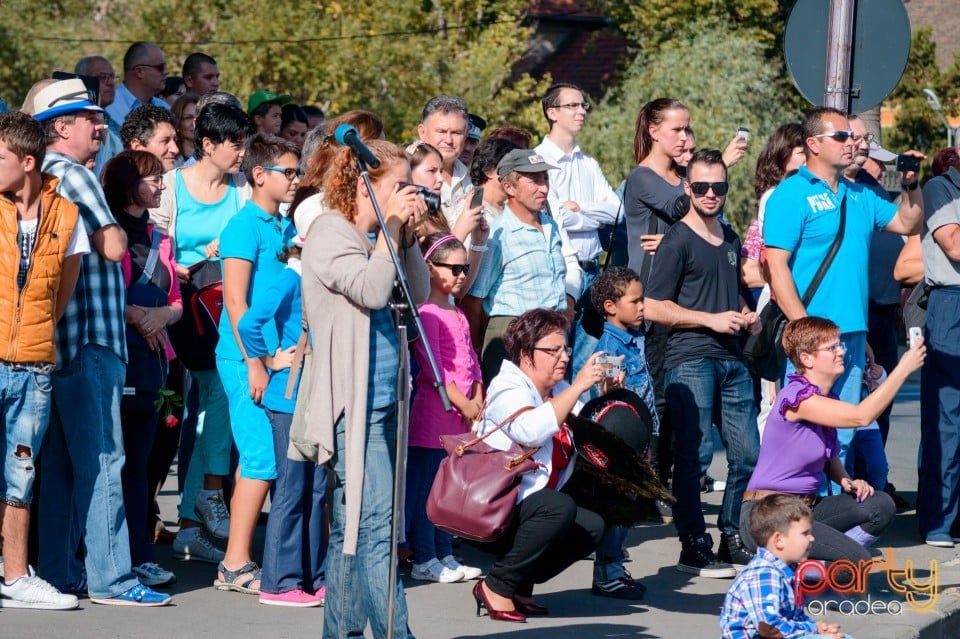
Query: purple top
(448, 334)
(793, 454)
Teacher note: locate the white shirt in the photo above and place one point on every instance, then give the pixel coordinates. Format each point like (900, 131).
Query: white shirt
(124, 102)
(454, 196)
(579, 179)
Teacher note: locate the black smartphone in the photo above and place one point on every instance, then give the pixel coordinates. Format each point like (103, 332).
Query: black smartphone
(908, 163)
(477, 197)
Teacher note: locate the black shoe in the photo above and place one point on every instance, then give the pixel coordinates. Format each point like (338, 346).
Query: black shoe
(622, 588)
(697, 558)
(733, 552)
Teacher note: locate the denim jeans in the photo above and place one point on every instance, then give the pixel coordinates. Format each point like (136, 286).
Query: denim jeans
(699, 393)
(83, 458)
(608, 564)
(357, 584)
(293, 552)
(938, 488)
(427, 541)
(867, 459)
(25, 404)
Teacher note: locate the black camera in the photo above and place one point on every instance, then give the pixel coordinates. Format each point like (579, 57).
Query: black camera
(432, 199)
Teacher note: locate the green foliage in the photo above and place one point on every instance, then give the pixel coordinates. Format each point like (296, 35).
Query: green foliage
(724, 78)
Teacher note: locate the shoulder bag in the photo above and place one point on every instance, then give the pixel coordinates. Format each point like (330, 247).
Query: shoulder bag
(763, 352)
(474, 495)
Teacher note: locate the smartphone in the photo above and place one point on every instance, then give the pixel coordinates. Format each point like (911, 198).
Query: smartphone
(743, 132)
(477, 197)
(914, 334)
(908, 163)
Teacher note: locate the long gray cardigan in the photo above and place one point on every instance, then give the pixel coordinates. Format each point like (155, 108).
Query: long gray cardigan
(343, 278)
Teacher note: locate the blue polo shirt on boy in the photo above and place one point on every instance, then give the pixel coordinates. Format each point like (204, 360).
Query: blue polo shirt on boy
(258, 237)
(803, 216)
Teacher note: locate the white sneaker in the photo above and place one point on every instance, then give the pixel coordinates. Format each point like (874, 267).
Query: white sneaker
(151, 574)
(433, 570)
(196, 546)
(30, 591)
(213, 514)
(469, 572)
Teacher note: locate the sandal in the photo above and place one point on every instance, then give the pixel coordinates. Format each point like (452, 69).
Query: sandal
(241, 580)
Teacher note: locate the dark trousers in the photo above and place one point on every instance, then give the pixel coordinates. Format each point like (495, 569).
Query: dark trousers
(549, 534)
(661, 449)
(138, 418)
(882, 338)
(493, 352)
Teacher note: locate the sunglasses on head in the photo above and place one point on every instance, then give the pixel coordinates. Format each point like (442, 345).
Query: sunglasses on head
(839, 136)
(700, 188)
(456, 269)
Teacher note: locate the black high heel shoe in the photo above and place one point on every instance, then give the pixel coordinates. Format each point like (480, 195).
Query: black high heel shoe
(496, 615)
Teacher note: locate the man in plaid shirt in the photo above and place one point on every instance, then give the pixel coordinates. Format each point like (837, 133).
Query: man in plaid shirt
(761, 602)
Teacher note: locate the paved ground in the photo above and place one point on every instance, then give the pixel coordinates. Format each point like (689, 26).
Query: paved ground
(676, 605)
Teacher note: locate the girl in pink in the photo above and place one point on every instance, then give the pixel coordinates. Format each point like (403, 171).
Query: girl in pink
(446, 330)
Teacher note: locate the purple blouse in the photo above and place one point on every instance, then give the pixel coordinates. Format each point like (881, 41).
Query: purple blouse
(793, 454)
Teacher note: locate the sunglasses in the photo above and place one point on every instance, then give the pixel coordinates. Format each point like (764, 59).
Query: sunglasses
(287, 173)
(700, 188)
(456, 269)
(157, 67)
(838, 136)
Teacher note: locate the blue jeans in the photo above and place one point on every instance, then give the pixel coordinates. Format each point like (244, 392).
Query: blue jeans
(938, 488)
(25, 405)
(427, 541)
(696, 392)
(868, 460)
(293, 552)
(849, 388)
(357, 584)
(608, 564)
(83, 458)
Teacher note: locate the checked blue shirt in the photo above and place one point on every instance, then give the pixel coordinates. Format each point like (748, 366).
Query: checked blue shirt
(763, 593)
(95, 312)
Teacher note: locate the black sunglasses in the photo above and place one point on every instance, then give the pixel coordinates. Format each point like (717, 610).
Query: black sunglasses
(456, 269)
(700, 188)
(839, 136)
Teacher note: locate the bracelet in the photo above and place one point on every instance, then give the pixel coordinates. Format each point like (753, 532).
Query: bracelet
(479, 248)
(910, 187)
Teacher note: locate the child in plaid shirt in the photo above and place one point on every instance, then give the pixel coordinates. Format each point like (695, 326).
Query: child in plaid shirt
(761, 603)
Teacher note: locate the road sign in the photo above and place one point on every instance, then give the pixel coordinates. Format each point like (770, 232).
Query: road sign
(881, 45)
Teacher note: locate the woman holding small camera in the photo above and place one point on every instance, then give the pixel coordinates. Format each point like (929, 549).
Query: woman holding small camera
(549, 532)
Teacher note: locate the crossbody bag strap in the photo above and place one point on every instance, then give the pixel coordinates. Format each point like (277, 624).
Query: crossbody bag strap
(152, 258)
(474, 442)
(828, 260)
(613, 237)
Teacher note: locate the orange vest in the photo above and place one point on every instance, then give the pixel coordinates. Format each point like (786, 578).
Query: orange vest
(27, 319)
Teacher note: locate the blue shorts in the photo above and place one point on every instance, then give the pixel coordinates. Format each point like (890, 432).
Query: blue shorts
(251, 429)
(25, 395)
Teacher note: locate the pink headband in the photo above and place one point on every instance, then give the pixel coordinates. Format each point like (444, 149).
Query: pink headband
(442, 240)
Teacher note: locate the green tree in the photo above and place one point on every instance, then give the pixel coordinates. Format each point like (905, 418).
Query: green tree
(724, 78)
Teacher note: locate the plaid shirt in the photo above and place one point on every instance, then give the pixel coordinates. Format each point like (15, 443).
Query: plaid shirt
(763, 594)
(523, 269)
(95, 313)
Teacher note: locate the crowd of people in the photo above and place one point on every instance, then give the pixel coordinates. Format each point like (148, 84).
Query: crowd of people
(210, 281)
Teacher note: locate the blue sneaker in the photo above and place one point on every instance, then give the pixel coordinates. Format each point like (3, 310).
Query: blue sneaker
(139, 595)
(940, 540)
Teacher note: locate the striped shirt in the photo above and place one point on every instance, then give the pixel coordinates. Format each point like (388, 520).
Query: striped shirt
(523, 269)
(95, 313)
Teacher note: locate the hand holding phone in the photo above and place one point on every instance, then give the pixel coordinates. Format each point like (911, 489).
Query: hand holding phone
(906, 163)
(743, 132)
(477, 197)
(913, 334)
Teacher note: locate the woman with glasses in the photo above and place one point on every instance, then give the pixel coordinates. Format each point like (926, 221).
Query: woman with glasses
(800, 442)
(132, 183)
(550, 532)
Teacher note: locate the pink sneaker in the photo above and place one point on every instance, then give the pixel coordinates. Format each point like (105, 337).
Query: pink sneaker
(294, 598)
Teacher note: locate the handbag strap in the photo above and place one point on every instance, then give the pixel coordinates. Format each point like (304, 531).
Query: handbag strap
(477, 440)
(832, 253)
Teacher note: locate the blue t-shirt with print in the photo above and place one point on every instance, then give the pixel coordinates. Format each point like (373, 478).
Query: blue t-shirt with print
(802, 217)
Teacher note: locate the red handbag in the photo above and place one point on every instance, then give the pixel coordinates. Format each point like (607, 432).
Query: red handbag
(474, 495)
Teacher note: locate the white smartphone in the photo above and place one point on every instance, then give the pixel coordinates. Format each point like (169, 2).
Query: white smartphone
(914, 334)
(743, 132)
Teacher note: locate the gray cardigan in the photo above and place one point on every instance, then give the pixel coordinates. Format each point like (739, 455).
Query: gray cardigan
(343, 278)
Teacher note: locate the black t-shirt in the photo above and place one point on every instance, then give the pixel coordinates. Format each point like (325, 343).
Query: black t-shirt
(698, 276)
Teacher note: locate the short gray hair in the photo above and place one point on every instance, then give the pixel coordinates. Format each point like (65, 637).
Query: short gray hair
(218, 97)
(445, 104)
(84, 65)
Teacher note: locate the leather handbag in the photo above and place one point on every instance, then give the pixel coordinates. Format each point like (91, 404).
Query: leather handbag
(763, 352)
(474, 495)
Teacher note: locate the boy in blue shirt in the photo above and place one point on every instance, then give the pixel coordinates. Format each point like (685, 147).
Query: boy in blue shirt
(761, 601)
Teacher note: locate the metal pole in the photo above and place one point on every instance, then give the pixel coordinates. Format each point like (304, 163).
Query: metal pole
(836, 93)
(400, 462)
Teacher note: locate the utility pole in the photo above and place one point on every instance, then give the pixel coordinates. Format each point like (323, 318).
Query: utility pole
(836, 92)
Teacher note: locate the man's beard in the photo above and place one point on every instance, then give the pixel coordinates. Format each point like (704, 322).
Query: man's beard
(704, 213)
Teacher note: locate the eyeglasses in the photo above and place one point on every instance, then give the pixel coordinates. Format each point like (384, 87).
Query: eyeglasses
(156, 180)
(838, 136)
(160, 68)
(556, 350)
(700, 188)
(287, 173)
(106, 77)
(835, 348)
(868, 137)
(456, 269)
(573, 106)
